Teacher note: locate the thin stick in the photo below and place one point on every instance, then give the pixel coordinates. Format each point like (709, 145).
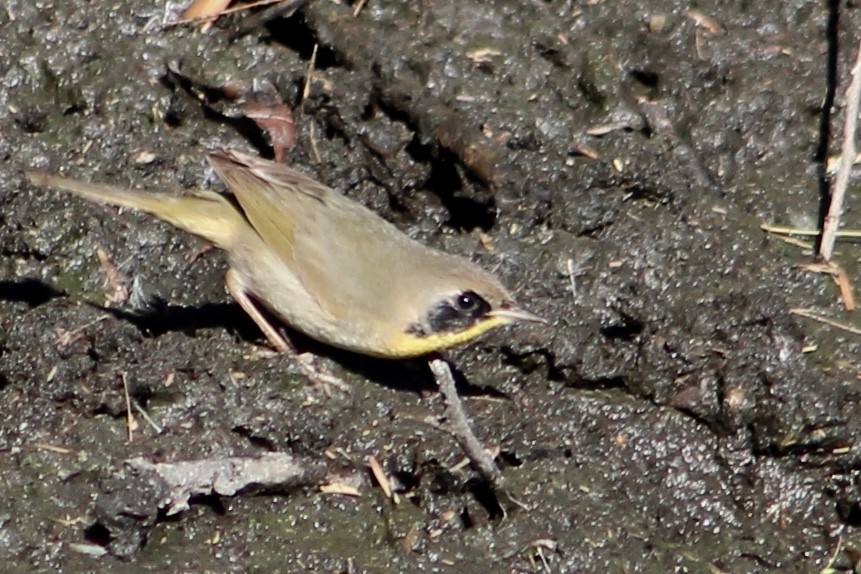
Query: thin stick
(306, 90)
(458, 425)
(380, 476)
(847, 158)
(131, 423)
(809, 245)
(147, 418)
(845, 285)
(805, 232)
(810, 314)
(841, 279)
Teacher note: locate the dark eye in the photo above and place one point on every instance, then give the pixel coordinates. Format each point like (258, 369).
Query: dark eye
(467, 301)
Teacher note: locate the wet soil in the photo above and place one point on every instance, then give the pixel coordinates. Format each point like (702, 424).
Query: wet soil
(611, 160)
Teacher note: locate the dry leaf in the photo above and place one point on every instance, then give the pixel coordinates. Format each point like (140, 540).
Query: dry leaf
(339, 488)
(203, 9)
(277, 121)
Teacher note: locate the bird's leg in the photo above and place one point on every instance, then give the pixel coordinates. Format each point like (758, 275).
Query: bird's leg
(237, 291)
(306, 361)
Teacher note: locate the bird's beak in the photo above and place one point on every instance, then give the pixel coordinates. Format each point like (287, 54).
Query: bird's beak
(512, 314)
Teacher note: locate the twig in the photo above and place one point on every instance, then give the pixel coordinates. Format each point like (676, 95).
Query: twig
(147, 418)
(380, 477)
(841, 279)
(306, 90)
(358, 7)
(829, 568)
(810, 314)
(847, 158)
(131, 423)
(808, 245)
(458, 425)
(786, 230)
(54, 448)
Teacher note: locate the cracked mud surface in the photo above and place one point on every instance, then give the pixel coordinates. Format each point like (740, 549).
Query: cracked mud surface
(619, 157)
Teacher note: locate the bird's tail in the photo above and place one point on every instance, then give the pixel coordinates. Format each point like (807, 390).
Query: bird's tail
(206, 214)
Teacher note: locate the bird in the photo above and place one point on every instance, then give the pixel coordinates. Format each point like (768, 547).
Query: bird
(302, 254)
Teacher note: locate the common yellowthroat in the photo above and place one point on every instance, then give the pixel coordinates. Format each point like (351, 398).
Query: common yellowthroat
(322, 263)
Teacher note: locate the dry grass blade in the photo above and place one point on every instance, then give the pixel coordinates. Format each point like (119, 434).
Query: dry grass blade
(306, 89)
(53, 448)
(811, 314)
(340, 488)
(841, 278)
(380, 476)
(131, 422)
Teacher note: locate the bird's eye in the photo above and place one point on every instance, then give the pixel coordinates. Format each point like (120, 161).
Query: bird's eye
(467, 301)
(452, 314)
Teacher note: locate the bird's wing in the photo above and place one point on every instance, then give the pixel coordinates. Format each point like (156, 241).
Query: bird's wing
(271, 195)
(334, 246)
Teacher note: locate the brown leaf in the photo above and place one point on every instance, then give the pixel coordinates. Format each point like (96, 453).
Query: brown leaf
(277, 121)
(202, 9)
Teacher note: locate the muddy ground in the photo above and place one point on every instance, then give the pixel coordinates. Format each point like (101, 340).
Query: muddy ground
(618, 157)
